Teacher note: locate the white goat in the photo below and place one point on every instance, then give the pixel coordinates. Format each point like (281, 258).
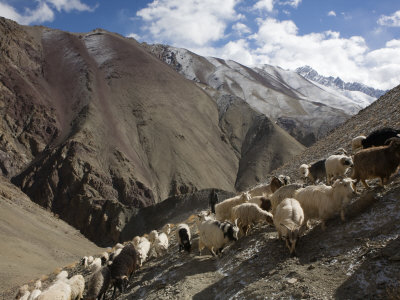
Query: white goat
(77, 284)
(95, 265)
(36, 292)
(167, 229)
(59, 290)
(336, 166)
(356, 143)
(303, 170)
(288, 221)
(159, 243)
(223, 209)
(142, 246)
(323, 202)
(215, 235)
(248, 214)
(283, 192)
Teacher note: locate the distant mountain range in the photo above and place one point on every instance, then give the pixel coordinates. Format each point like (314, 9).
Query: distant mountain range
(306, 109)
(337, 83)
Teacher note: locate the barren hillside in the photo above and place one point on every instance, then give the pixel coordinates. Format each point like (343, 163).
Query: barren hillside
(93, 127)
(34, 242)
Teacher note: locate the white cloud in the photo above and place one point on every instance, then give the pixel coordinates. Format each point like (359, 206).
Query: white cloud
(69, 5)
(332, 13)
(393, 44)
(238, 51)
(241, 28)
(346, 16)
(391, 21)
(279, 43)
(189, 22)
(43, 12)
(9, 12)
(135, 36)
(294, 3)
(267, 5)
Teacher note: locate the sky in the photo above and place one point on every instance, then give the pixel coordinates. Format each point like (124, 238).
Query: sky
(357, 40)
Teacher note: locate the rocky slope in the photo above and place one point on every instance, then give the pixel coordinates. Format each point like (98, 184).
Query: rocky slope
(307, 110)
(356, 259)
(94, 128)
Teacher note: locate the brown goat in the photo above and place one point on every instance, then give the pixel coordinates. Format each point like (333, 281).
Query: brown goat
(123, 267)
(377, 162)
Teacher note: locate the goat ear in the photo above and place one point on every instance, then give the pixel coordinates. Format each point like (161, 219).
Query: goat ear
(236, 220)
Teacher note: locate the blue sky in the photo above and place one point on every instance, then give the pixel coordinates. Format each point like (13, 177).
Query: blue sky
(358, 40)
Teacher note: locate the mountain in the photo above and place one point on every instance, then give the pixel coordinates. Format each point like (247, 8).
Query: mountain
(93, 128)
(307, 110)
(347, 88)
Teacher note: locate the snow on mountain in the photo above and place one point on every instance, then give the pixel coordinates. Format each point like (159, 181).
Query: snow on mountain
(306, 109)
(315, 92)
(346, 88)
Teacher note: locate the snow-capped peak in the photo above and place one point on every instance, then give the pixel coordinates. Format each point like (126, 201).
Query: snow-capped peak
(337, 83)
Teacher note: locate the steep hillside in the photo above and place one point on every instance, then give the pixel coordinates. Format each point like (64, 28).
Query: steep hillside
(385, 112)
(307, 110)
(34, 242)
(93, 127)
(355, 259)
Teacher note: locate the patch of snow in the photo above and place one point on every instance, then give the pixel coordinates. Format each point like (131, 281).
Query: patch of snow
(98, 48)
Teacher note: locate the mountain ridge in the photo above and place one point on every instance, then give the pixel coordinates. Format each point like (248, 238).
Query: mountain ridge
(336, 82)
(306, 110)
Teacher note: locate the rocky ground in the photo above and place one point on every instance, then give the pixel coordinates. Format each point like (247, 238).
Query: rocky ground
(356, 259)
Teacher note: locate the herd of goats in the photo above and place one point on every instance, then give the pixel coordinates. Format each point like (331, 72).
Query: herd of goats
(286, 206)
